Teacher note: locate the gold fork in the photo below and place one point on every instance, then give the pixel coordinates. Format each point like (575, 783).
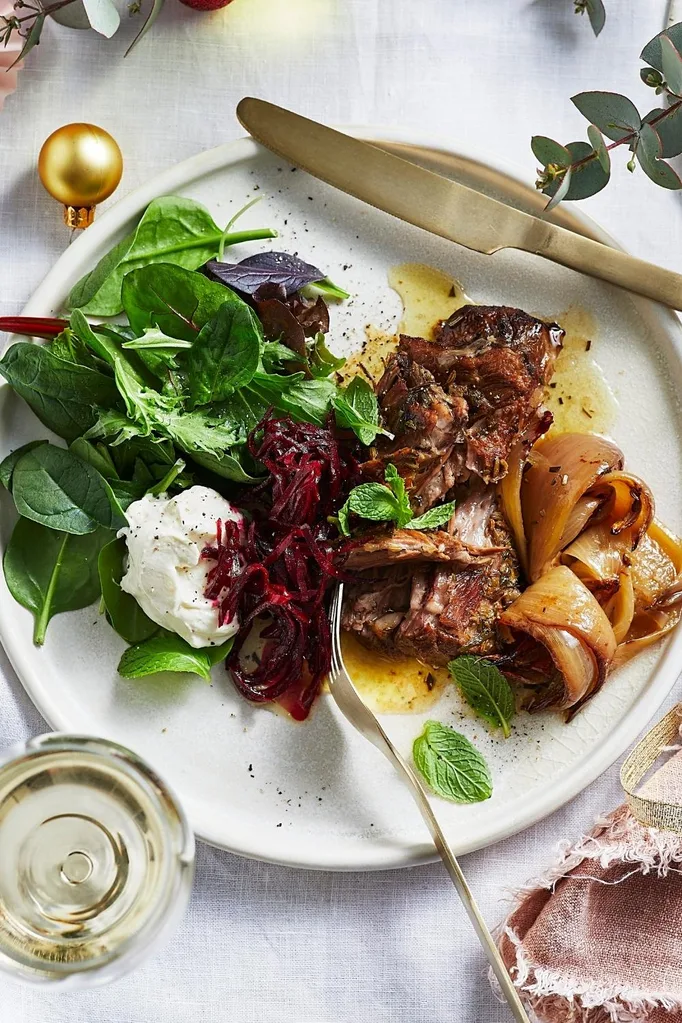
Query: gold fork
(361, 717)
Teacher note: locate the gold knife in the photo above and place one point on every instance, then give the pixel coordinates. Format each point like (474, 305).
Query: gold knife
(442, 206)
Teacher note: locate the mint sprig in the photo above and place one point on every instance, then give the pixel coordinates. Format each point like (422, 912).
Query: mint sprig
(389, 502)
(485, 689)
(451, 765)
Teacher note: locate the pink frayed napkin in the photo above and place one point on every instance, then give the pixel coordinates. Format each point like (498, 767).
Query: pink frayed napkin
(598, 939)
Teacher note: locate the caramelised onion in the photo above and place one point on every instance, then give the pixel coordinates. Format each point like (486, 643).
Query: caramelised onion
(559, 612)
(563, 469)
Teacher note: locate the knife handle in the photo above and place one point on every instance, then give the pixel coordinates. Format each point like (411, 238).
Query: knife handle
(598, 260)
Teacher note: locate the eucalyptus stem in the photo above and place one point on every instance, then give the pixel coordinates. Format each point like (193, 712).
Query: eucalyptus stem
(630, 139)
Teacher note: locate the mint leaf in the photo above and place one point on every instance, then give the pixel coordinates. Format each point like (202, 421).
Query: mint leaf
(450, 765)
(357, 409)
(485, 688)
(373, 501)
(397, 485)
(434, 517)
(165, 651)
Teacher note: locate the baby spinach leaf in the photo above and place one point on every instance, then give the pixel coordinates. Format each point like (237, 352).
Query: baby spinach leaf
(97, 455)
(177, 301)
(434, 517)
(101, 283)
(52, 486)
(307, 401)
(125, 615)
(322, 362)
(225, 355)
(275, 354)
(451, 765)
(164, 484)
(485, 688)
(165, 651)
(70, 348)
(48, 571)
(62, 394)
(8, 464)
(357, 409)
(153, 338)
(173, 230)
(228, 465)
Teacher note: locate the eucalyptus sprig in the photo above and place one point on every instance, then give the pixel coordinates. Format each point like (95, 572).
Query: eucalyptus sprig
(581, 169)
(28, 20)
(595, 11)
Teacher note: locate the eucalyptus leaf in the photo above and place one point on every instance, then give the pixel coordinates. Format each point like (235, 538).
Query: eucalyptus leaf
(615, 115)
(588, 179)
(668, 127)
(648, 155)
(154, 11)
(599, 146)
(562, 186)
(103, 16)
(672, 65)
(125, 615)
(597, 15)
(62, 395)
(48, 571)
(32, 39)
(653, 52)
(52, 486)
(547, 151)
(451, 765)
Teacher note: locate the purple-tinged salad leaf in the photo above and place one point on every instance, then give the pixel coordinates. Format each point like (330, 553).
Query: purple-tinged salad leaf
(279, 268)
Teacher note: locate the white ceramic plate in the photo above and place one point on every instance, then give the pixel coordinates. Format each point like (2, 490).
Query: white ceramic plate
(318, 795)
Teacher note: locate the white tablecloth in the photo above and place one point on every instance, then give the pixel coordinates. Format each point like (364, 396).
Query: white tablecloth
(263, 944)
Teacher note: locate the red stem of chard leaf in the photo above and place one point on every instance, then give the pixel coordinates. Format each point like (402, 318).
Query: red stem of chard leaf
(46, 327)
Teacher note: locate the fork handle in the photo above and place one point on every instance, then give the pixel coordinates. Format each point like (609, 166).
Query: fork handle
(460, 883)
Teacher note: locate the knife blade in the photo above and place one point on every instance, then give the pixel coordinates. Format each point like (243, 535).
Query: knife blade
(442, 206)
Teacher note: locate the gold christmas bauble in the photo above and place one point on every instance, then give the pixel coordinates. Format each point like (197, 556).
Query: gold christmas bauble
(80, 165)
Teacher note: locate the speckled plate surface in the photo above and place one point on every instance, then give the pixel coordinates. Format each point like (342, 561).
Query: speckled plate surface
(318, 795)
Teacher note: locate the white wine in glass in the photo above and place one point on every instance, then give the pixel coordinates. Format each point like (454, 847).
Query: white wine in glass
(96, 860)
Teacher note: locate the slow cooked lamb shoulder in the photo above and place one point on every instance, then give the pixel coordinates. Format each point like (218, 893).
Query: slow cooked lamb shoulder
(456, 407)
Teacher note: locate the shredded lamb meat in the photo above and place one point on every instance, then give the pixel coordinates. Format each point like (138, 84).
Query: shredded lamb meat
(457, 405)
(435, 595)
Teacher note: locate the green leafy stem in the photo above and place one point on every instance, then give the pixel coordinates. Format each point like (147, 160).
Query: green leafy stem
(581, 169)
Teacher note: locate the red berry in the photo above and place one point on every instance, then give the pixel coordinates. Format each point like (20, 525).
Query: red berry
(205, 5)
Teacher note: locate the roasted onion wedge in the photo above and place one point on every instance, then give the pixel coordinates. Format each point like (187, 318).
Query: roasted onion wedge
(559, 613)
(563, 469)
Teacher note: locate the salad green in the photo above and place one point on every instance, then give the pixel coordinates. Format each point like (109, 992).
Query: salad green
(150, 404)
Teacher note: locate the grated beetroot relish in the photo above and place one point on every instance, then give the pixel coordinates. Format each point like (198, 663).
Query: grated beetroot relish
(279, 566)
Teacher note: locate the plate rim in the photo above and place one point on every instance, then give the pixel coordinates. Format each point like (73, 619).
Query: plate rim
(371, 854)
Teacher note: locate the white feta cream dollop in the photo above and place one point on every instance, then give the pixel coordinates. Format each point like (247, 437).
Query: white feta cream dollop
(166, 573)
